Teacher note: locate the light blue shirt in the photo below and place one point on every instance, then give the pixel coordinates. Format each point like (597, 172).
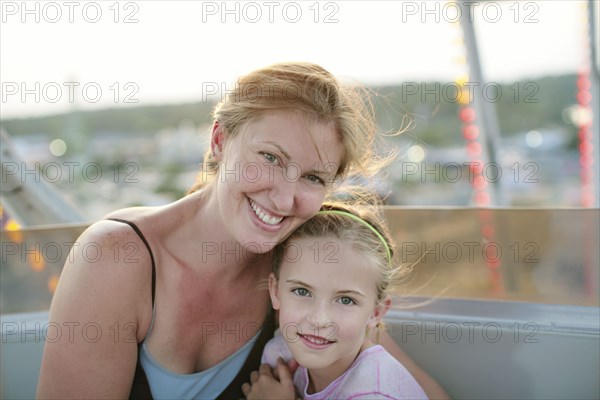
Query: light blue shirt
(208, 384)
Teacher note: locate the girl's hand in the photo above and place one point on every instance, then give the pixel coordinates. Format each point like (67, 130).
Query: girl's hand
(263, 385)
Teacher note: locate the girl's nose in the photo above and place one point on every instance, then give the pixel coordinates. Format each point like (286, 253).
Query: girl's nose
(319, 317)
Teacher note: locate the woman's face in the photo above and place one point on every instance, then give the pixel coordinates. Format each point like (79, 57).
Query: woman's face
(274, 175)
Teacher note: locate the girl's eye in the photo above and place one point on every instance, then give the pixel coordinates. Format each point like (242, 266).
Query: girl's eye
(270, 158)
(315, 179)
(301, 292)
(347, 301)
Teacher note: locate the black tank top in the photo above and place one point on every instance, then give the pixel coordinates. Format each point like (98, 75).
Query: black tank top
(141, 389)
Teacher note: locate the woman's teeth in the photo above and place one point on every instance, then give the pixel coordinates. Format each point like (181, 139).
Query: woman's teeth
(263, 216)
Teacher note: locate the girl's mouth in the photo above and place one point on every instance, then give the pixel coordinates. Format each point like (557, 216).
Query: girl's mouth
(315, 342)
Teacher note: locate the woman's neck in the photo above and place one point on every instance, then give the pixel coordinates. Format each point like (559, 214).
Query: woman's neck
(197, 235)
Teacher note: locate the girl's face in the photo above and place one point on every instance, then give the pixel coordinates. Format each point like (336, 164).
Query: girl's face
(273, 176)
(326, 297)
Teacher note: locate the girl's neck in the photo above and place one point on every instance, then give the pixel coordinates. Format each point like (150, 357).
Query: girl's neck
(319, 379)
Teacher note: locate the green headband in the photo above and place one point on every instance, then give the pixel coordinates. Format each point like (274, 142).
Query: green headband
(365, 223)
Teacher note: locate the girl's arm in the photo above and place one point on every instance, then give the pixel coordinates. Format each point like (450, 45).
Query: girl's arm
(433, 390)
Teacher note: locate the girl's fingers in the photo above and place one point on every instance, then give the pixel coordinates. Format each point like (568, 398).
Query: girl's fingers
(246, 389)
(254, 377)
(283, 371)
(292, 365)
(265, 369)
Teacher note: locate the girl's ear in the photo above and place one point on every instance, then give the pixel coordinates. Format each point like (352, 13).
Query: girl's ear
(274, 291)
(217, 141)
(380, 310)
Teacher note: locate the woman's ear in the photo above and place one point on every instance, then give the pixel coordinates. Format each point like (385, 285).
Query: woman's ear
(274, 291)
(380, 310)
(217, 140)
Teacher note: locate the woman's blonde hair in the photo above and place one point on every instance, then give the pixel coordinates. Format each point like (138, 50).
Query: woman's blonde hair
(313, 91)
(375, 243)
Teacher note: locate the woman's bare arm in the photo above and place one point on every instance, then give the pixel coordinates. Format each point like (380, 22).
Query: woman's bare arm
(91, 350)
(433, 390)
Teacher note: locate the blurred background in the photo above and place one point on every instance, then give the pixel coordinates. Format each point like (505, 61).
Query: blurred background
(107, 105)
(493, 199)
(119, 95)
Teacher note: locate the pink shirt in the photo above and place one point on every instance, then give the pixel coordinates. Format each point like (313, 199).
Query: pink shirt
(375, 374)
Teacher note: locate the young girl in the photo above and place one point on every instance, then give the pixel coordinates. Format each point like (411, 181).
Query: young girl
(330, 284)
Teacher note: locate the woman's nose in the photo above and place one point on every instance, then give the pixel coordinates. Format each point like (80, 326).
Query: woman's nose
(283, 192)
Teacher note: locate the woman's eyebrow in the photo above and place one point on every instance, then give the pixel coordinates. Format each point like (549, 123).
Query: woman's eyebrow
(285, 154)
(313, 171)
(319, 172)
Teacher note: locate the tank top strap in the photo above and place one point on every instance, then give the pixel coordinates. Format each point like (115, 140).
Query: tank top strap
(140, 389)
(141, 235)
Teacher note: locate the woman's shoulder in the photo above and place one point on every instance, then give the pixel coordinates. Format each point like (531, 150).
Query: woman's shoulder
(109, 270)
(121, 243)
(133, 214)
(152, 220)
(130, 225)
(113, 232)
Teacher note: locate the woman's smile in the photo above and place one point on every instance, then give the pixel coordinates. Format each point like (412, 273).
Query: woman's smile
(265, 216)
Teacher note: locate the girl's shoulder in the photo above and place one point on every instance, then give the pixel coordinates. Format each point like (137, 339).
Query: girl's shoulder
(275, 348)
(375, 371)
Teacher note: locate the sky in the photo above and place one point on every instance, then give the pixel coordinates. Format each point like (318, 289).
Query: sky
(60, 55)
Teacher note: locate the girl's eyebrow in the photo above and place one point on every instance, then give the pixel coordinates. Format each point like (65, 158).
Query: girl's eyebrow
(297, 282)
(351, 292)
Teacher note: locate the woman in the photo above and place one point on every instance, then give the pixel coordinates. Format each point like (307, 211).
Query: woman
(174, 299)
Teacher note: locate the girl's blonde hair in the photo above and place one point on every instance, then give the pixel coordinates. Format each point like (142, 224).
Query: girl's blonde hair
(359, 235)
(316, 93)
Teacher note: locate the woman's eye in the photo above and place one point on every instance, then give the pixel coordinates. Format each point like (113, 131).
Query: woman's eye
(315, 179)
(347, 301)
(300, 292)
(271, 158)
